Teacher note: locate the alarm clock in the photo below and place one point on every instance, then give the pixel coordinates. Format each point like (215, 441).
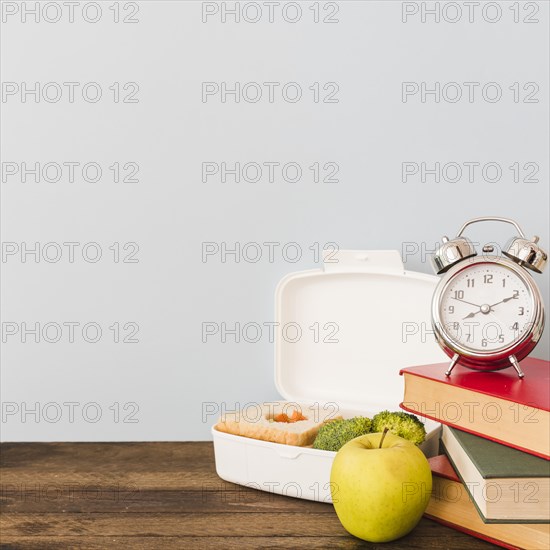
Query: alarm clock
(487, 311)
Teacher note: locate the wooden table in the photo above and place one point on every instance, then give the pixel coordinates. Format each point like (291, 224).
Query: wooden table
(162, 495)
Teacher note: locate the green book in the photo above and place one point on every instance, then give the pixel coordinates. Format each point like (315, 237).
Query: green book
(505, 484)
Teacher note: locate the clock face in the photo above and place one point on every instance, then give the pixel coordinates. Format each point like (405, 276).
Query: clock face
(486, 307)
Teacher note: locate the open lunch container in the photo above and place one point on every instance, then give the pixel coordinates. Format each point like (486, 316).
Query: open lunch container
(371, 318)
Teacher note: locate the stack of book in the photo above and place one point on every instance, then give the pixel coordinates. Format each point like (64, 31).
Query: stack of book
(493, 480)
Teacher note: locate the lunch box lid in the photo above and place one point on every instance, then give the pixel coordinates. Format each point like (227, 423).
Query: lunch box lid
(346, 329)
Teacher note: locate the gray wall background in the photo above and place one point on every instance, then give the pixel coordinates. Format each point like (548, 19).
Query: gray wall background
(157, 388)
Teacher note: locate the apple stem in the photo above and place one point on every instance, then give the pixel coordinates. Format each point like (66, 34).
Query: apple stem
(383, 436)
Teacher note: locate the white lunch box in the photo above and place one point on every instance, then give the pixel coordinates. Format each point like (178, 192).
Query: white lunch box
(362, 318)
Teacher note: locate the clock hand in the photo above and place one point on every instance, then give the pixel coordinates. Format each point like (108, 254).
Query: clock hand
(502, 301)
(494, 319)
(485, 309)
(470, 303)
(471, 315)
(481, 308)
(480, 311)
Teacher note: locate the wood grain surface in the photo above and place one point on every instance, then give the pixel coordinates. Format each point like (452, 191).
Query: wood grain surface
(163, 495)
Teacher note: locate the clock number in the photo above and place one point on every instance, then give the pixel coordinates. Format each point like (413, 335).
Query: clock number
(503, 282)
(515, 326)
(484, 342)
(451, 309)
(469, 337)
(471, 283)
(459, 294)
(456, 326)
(521, 311)
(487, 279)
(516, 294)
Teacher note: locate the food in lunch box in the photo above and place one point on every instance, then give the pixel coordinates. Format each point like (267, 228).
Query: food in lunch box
(294, 417)
(336, 433)
(400, 423)
(276, 422)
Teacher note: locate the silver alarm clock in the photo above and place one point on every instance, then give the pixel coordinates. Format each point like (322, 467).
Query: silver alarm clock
(487, 311)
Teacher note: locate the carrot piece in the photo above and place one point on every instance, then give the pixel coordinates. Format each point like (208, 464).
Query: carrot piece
(297, 416)
(294, 417)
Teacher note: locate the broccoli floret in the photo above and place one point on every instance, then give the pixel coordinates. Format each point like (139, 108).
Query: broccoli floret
(336, 433)
(400, 423)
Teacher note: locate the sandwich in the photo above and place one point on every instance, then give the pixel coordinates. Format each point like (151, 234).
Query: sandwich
(278, 422)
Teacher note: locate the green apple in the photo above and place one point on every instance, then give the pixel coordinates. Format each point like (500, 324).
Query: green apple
(380, 485)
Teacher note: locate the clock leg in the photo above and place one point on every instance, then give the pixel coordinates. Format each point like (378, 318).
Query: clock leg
(454, 361)
(515, 364)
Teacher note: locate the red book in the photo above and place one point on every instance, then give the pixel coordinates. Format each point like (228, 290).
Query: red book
(450, 504)
(496, 405)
